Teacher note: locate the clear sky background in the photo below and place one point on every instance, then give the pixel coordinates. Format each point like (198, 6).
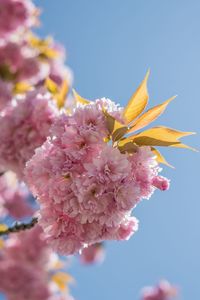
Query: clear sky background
(110, 45)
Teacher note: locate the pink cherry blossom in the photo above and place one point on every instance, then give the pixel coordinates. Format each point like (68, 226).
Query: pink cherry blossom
(16, 205)
(20, 281)
(20, 14)
(14, 198)
(26, 267)
(24, 264)
(86, 188)
(20, 62)
(61, 297)
(161, 183)
(5, 94)
(93, 254)
(24, 127)
(20, 247)
(163, 291)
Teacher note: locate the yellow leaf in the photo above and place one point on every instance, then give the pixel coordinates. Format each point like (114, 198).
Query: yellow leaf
(80, 99)
(149, 116)
(37, 42)
(49, 53)
(138, 101)
(129, 147)
(110, 121)
(1, 244)
(163, 133)
(119, 133)
(51, 86)
(181, 145)
(62, 280)
(160, 159)
(157, 136)
(61, 96)
(149, 141)
(112, 124)
(43, 46)
(21, 87)
(3, 227)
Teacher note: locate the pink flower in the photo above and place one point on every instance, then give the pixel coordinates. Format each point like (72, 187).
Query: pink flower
(86, 188)
(5, 94)
(163, 291)
(11, 59)
(20, 247)
(144, 169)
(24, 264)
(92, 254)
(16, 204)
(111, 166)
(20, 13)
(61, 297)
(161, 183)
(24, 127)
(13, 199)
(20, 62)
(20, 281)
(26, 267)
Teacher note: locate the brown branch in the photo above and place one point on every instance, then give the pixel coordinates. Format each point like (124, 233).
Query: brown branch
(19, 227)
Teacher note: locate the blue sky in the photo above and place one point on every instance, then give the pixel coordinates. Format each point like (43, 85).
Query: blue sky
(110, 45)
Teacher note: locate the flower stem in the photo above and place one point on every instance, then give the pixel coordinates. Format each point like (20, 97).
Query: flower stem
(19, 227)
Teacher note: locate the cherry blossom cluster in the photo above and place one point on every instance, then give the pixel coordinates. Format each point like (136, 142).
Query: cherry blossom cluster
(26, 61)
(87, 188)
(24, 126)
(163, 291)
(28, 268)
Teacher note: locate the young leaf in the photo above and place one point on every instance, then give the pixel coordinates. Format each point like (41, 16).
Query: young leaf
(61, 96)
(62, 279)
(51, 86)
(156, 136)
(129, 147)
(149, 141)
(21, 87)
(160, 158)
(80, 99)
(3, 227)
(119, 133)
(43, 46)
(164, 134)
(1, 244)
(181, 145)
(149, 116)
(112, 124)
(138, 102)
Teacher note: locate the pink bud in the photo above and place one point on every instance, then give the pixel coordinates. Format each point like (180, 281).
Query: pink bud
(161, 183)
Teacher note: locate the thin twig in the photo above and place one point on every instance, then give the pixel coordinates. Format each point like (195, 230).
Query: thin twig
(19, 227)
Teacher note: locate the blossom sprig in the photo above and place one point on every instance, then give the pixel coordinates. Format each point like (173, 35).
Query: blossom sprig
(92, 171)
(125, 136)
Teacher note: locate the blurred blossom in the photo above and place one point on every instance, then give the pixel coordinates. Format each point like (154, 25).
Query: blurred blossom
(14, 199)
(163, 291)
(24, 127)
(16, 15)
(5, 94)
(93, 254)
(26, 268)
